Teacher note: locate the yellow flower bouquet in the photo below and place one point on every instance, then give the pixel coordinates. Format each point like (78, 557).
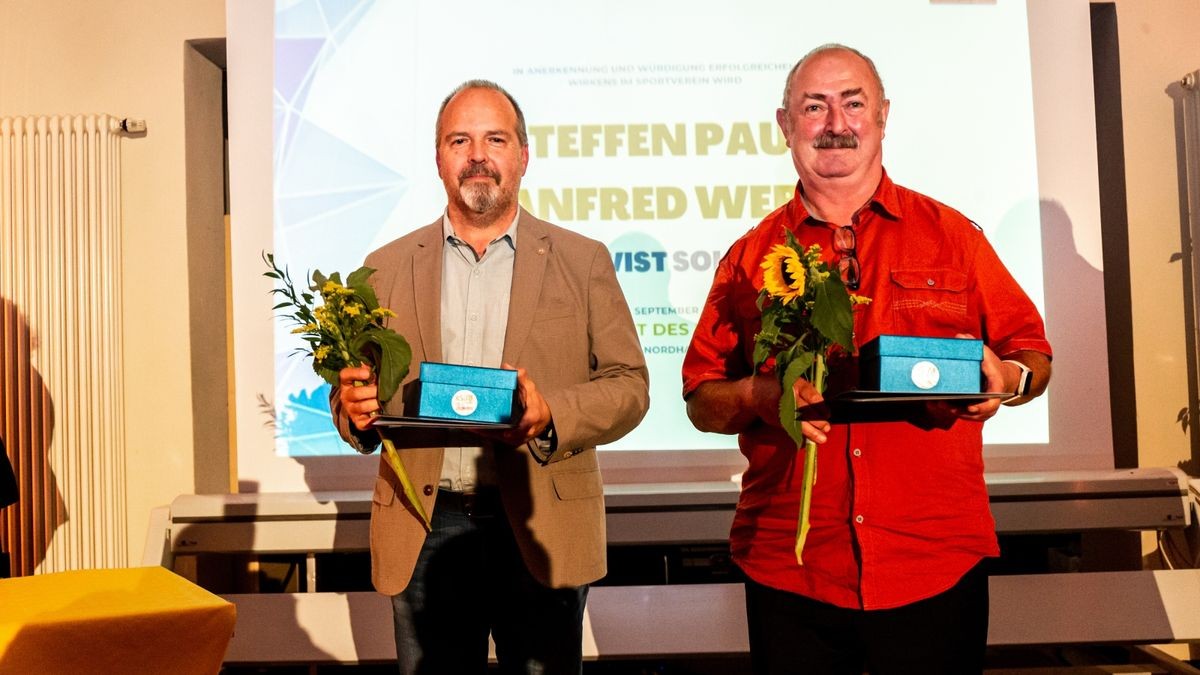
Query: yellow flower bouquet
(348, 329)
(806, 310)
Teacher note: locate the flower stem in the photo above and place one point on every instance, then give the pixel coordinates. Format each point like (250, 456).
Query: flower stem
(393, 460)
(809, 479)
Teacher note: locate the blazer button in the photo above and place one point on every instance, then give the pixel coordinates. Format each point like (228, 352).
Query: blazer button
(428, 490)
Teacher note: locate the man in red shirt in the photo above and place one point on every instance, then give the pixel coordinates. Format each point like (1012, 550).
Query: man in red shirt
(891, 580)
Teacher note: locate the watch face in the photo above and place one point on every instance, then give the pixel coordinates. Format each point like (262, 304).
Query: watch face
(1026, 383)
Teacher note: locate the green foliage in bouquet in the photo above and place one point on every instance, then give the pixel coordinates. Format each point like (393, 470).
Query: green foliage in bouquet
(346, 329)
(806, 309)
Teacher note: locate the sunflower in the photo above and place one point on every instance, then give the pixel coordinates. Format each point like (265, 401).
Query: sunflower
(783, 273)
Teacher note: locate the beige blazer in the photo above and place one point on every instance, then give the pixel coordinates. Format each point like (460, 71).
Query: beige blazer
(570, 327)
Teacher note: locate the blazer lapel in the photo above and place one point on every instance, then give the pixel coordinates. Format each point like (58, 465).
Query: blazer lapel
(529, 270)
(426, 286)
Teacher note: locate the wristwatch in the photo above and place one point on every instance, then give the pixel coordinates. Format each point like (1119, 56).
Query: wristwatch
(1024, 381)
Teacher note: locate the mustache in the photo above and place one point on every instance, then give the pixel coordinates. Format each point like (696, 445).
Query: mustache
(478, 170)
(828, 141)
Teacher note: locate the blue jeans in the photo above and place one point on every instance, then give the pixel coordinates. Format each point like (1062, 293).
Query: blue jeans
(470, 580)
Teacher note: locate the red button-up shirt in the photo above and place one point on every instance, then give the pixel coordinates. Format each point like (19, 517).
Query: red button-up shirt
(900, 510)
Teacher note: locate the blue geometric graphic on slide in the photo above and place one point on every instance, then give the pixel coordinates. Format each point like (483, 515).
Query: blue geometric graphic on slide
(331, 195)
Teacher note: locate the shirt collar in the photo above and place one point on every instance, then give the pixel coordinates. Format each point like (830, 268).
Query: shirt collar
(886, 201)
(509, 235)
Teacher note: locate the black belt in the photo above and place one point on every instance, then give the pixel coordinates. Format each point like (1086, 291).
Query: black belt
(482, 503)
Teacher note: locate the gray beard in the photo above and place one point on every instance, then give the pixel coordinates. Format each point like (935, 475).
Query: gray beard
(481, 198)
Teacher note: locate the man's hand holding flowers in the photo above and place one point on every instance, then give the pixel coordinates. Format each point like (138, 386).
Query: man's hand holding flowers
(359, 395)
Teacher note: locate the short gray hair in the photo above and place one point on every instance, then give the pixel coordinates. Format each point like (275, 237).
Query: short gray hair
(522, 134)
(829, 47)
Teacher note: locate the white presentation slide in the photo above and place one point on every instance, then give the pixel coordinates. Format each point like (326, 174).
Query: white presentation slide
(652, 129)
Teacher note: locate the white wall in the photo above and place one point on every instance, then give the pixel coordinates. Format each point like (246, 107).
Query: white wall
(1159, 44)
(126, 58)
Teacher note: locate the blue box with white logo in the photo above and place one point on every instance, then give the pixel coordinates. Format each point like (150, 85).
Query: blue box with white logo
(901, 363)
(467, 393)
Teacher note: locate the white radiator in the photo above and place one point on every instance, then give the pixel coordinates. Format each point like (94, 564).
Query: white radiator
(60, 336)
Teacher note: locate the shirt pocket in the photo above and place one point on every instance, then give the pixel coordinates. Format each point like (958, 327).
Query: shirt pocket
(578, 484)
(930, 301)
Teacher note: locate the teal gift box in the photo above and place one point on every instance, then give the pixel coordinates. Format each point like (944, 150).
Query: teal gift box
(453, 392)
(901, 363)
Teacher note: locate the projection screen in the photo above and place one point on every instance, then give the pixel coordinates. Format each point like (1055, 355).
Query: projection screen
(652, 129)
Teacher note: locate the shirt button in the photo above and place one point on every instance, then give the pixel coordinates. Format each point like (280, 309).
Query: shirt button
(479, 272)
(428, 490)
(857, 452)
(929, 282)
(858, 519)
(474, 317)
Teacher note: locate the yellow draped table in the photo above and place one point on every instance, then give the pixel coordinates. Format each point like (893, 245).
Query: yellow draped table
(140, 620)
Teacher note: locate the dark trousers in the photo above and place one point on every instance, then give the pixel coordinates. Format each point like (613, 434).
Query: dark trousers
(947, 633)
(470, 580)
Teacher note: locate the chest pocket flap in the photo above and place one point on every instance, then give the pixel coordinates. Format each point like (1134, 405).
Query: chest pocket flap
(931, 279)
(930, 302)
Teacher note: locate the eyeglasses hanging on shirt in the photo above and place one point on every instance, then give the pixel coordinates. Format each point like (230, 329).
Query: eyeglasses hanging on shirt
(845, 244)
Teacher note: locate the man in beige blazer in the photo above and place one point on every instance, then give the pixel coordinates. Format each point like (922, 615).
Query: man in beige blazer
(518, 523)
